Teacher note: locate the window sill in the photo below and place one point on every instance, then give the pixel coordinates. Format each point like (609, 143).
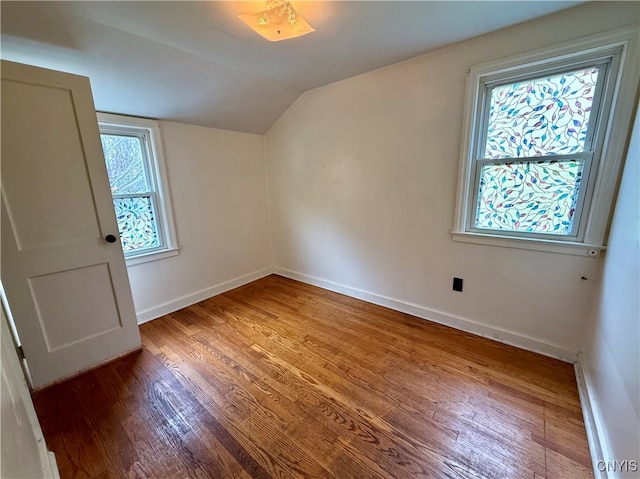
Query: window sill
(549, 246)
(152, 256)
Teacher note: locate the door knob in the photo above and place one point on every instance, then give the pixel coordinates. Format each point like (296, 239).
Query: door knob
(110, 239)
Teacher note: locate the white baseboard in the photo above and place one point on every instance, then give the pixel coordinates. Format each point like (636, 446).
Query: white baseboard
(53, 471)
(592, 420)
(188, 300)
(468, 325)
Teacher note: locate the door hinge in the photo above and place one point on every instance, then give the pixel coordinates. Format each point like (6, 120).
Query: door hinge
(20, 352)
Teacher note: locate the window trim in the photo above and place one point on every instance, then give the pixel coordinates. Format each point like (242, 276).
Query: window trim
(600, 192)
(149, 132)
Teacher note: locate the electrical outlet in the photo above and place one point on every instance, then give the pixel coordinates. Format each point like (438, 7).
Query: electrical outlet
(457, 284)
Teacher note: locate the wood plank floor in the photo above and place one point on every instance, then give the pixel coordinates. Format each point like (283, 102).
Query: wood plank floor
(278, 379)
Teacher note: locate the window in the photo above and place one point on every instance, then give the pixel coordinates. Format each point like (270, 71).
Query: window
(131, 148)
(541, 158)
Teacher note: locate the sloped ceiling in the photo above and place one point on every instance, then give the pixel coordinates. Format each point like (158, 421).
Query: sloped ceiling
(196, 62)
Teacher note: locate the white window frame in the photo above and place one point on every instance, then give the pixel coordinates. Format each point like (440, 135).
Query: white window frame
(149, 133)
(597, 191)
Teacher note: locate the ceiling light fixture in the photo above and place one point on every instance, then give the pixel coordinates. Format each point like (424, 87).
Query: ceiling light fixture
(278, 22)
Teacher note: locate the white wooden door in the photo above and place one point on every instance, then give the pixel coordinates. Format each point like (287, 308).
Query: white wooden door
(67, 286)
(24, 454)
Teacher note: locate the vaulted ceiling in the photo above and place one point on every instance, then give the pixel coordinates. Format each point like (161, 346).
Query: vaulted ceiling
(196, 62)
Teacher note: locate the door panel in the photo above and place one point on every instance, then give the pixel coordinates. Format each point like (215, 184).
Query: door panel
(55, 297)
(68, 288)
(36, 222)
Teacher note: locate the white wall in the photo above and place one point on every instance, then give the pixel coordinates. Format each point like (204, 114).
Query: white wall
(219, 193)
(24, 452)
(612, 357)
(362, 181)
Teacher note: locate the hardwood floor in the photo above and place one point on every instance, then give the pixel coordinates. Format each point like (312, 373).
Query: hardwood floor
(278, 379)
